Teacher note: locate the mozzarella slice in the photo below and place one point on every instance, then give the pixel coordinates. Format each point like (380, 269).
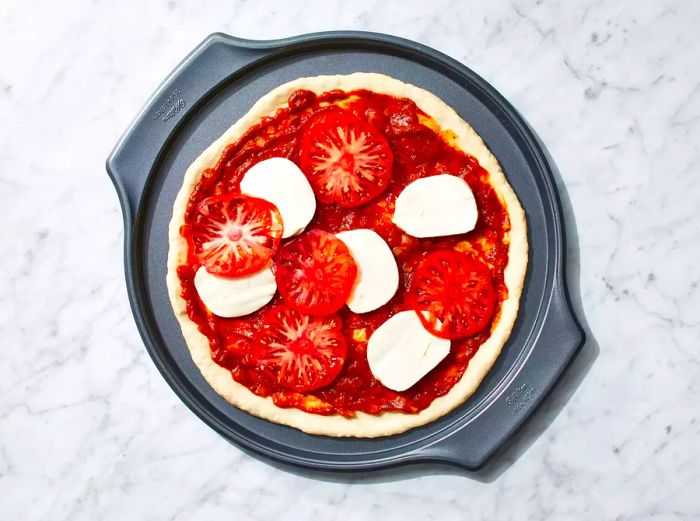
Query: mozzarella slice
(282, 183)
(235, 297)
(377, 274)
(401, 351)
(436, 206)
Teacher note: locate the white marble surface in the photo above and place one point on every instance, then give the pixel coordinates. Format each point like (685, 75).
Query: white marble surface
(89, 429)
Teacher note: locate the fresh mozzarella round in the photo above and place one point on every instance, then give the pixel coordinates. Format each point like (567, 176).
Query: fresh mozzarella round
(377, 274)
(282, 183)
(401, 351)
(436, 206)
(235, 297)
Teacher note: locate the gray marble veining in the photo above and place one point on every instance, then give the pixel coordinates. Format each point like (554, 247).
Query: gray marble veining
(88, 428)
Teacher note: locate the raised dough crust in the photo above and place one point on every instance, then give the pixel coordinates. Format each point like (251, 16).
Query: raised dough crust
(362, 425)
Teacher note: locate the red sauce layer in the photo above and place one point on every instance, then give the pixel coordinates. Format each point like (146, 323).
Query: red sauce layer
(420, 149)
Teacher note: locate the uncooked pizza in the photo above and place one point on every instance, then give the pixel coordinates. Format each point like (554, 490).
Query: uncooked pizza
(348, 258)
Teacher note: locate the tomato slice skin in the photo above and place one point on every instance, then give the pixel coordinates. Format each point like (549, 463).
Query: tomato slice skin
(315, 273)
(300, 352)
(347, 161)
(453, 294)
(234, 234)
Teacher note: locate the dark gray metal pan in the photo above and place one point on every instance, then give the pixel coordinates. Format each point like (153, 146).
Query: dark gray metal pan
(215, 85)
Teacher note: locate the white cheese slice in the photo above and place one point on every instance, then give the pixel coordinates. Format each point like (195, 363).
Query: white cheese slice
(377, 274)
(235, 297)
(281, 182)
(401, 351)
(436, 206)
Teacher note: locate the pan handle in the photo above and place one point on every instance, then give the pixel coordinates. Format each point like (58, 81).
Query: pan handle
(211, 63)
(560, 338)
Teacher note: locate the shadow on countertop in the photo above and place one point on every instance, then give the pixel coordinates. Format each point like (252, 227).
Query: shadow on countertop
(539, 420)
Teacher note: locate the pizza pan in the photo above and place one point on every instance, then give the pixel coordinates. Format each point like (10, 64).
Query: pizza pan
(214, 86)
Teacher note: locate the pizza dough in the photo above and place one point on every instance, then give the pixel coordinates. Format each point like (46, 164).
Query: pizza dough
(362, 425)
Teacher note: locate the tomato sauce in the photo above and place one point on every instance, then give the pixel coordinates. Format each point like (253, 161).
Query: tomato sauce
(420, 149)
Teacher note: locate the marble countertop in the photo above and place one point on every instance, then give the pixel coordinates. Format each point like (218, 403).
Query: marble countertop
(89, 429)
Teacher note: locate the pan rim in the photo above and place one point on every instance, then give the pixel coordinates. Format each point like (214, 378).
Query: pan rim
(193, 398)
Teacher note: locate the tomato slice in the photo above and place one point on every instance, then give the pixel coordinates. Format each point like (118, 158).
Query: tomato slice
(453, 294)
(234, 234)
(300, 352)
(315, 273)
(346, 160)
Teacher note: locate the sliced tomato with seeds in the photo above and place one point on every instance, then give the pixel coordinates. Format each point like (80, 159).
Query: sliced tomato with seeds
(453, 294)
(315, 272)
(300, 352)
(234, 234)
(346, 160)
